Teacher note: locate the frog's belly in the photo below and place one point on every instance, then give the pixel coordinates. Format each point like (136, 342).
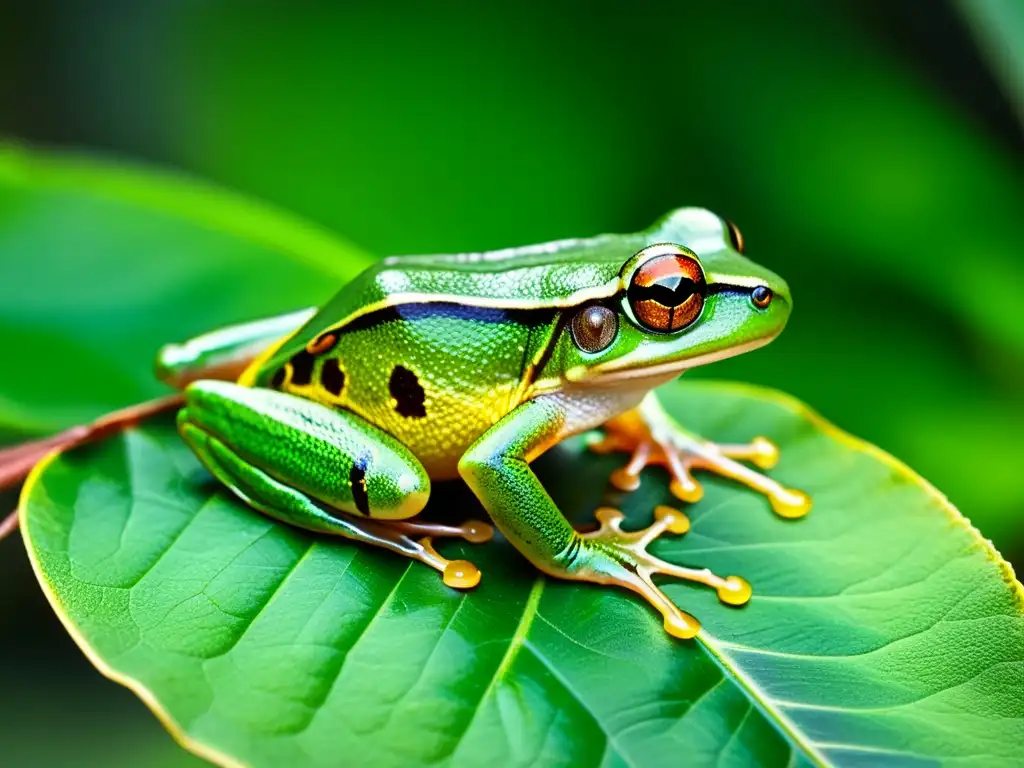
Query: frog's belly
(450, 424)
(435, 383)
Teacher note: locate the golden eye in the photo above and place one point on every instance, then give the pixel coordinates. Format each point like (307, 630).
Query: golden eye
(666, 293)
(594, 328)
(735, 236)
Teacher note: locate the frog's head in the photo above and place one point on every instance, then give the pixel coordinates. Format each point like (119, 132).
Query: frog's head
(688, 298)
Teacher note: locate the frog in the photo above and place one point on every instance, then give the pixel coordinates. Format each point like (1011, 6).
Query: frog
(430, 368)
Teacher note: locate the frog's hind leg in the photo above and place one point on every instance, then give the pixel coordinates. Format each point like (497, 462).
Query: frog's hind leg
(223, 354)
(654, 438)
(319, 469)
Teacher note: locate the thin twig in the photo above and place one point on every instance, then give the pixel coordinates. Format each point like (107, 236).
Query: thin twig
(16, 462)
(9, 525)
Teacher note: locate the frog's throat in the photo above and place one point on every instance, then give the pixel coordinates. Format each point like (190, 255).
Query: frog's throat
(622, 370)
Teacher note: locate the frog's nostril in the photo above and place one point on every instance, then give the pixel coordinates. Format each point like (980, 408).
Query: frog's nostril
(761, 296)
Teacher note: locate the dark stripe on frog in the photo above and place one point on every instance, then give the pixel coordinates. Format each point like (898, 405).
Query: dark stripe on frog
(278, 379)
(573, 551)
(302, 368)
(357, 479)
(332, 378)
(527, 317)
(727, 288)
(549, 349)
(409, 396)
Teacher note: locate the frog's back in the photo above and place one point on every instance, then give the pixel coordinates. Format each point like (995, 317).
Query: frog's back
(561, 273)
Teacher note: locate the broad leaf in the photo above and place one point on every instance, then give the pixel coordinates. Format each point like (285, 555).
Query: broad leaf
(998, 26)
(883, 628)
(103, 264)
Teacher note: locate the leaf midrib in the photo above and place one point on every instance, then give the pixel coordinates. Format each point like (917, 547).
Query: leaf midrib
(761, 700)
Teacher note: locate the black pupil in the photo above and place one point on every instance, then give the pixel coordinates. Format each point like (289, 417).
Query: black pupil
(668, 291)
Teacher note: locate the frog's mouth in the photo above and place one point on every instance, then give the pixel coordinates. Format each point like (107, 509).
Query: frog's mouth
(625, 369)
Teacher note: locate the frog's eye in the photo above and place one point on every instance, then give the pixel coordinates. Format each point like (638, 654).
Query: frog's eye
(666, 293)
(735, 236)
(594, 328)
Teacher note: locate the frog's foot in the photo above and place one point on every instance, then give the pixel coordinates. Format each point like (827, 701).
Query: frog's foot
(611, 555)
(666, 445)
(410, 538)
(459, 574)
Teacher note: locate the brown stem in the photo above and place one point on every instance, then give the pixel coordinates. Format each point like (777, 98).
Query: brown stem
(8, 525)
(16, 462)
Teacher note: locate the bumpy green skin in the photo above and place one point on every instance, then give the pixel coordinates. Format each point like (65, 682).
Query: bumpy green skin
(323, 453)
(464, 365)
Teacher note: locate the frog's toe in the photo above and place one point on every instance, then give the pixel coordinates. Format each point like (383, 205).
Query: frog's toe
(473, 531)
(761, 452)
(789, 502)
(681, 453)
(721, 459)
(735, 590)
(458, 574)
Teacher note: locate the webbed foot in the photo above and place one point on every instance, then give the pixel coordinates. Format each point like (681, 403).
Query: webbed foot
(611, 555)
(653, 438)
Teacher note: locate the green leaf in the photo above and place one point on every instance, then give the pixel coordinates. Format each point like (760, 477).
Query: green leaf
(883, 629)
(102, 264)
(998, 26)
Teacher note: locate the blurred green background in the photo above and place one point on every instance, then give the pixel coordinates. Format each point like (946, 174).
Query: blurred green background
(871, 152)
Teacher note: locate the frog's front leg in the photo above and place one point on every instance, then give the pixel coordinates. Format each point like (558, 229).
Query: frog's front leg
(497, 468)
(320, 469)
(653, 437)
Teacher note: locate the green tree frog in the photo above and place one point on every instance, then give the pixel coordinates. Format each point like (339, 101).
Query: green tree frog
(428, 368)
